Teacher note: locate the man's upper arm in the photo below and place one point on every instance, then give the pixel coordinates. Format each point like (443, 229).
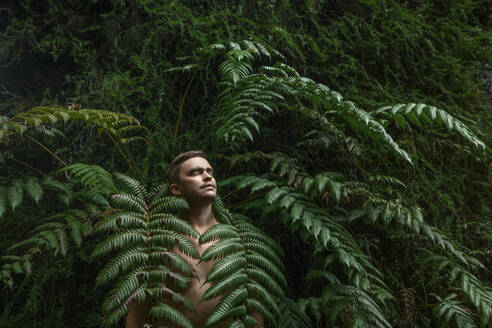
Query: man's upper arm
(138, 314)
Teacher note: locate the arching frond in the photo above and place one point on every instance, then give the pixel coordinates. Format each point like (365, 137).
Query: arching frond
(117, 124)
(132, 185)
(165, 311)
(420, 114)
(362, 121)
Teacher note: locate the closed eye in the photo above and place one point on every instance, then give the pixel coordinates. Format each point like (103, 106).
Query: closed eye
(198, 171)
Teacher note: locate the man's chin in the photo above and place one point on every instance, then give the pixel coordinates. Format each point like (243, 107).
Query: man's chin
(203, 198)
(211, 197)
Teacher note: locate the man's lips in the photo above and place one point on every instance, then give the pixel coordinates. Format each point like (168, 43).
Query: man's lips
(208, 185)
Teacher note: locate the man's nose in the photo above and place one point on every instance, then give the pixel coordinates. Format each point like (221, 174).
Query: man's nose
(207, 176)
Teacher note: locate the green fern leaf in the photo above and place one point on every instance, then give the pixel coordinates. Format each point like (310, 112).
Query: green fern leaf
(121, 219)
(227, 305)
(254, 305)
(129, 202)
(33, 189)
(265, 251)
(261, 294)
(164, 311)
(234, 313)
(169, 238)
(173, 223)
(229, 264)
(218, 231)
(238, 278)
(175, 261)
(121, 264)
(15, 194)
(133, 185)
(171, 204)
(221, 249)
(261, 277)
(120, 240)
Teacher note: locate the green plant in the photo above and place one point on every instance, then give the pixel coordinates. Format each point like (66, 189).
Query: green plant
(145, 229)
(120, 56)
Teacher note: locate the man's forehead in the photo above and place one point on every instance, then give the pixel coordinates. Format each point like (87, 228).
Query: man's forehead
(195, 162)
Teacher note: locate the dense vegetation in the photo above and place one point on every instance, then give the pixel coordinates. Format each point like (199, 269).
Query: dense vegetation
(353, 133)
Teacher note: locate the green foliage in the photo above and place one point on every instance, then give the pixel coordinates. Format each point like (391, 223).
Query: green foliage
(450, 308)
(145, 235)
(54, 233)
(248, 272)
(343, 202)
(92, 177)
(419, 114)
(118, 125)
(13, 195)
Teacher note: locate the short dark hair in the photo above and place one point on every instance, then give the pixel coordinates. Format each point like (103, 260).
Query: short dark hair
(175, 166)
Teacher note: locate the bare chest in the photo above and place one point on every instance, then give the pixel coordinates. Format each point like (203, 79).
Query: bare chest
(198, 287)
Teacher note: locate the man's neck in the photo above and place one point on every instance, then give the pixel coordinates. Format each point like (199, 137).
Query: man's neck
(201, 217)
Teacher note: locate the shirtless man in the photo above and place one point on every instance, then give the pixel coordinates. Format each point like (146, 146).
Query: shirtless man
(191, 177)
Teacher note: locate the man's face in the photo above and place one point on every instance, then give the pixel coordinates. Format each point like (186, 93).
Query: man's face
(196, 182)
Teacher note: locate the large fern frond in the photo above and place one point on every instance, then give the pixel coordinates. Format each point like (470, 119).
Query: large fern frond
(248, 272)
(144, 234)
(124, 127)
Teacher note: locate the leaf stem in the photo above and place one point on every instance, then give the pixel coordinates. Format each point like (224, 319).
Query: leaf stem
(182, 104)
(29, 166)
(127, 159)
(48, 150)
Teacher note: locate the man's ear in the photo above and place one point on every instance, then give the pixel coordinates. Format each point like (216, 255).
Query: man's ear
(175, 189)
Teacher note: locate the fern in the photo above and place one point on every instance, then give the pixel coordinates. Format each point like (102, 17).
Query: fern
(60, 230)
(420, 114)
(247, 274)
(51, 237)
(449, 308)
(144, 233)
(145, 266)
(13, 195)
(317, 226)
(349, 304)
(479, 295)
(92, 177)
(362, 121)
(292, 316)
(245, 93)
(119, 125)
